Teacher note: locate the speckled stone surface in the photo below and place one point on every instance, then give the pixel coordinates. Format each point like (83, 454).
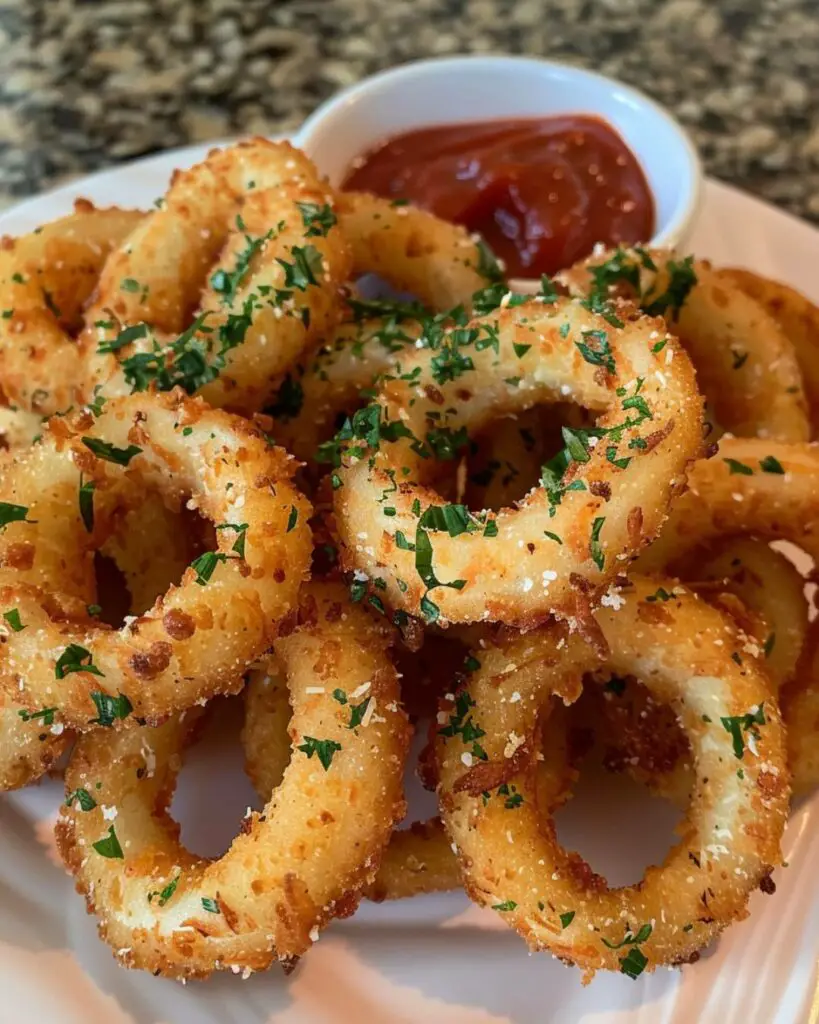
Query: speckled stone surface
(87, 84)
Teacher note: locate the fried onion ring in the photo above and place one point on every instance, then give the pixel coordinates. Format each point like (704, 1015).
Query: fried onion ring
(567, 539)
(244, 257)
(46, 278)
(746, 365)
(166, 660)
(418, 859)
(295, 866)
(796, 315)
(439, 263)
(514, 863)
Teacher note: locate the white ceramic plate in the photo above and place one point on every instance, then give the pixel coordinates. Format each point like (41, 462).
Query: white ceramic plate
(436, 958)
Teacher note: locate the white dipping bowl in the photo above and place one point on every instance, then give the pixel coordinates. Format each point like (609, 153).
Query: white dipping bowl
(454, 90)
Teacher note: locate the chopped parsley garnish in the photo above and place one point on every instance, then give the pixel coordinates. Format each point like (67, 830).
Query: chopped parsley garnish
(109, 452)
(323, 749)
(83, 798)
(595, 349)
(205, 565)
(737, 467)
(567, 918)
(520, 350)
(12, 617)
(292, 519)
(739, 725)
(12, 514)
(239, 543)
(681, 279)
(661, 594)
(44, 715)
(212, 906)
(505, 906)
(317, 219)
(771, 465)
(110, 709)
(75, 659)
(488, 265)
(87, 489)
(634, 962)
(460, 723)
(595, 548)
(164, 896)
(553, 536)
(128, 284)
(306, 268)
(109, 846)
(125, 336)
(227, 283)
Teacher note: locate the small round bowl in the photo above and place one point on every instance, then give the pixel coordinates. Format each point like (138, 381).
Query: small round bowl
(450, 90)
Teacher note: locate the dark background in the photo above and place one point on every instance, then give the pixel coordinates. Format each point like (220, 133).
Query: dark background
(85, 84)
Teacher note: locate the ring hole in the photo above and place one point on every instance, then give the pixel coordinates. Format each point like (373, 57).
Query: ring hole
(506, 457)
(615, 823)
(213, 793)
(113, 595)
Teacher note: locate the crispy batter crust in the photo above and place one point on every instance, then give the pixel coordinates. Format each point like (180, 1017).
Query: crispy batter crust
(295, 866)
(730, 840)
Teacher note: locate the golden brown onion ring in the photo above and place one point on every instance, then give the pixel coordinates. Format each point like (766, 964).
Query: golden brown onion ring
(565, 541)
(746, 365)
(167, 659)
(764, 592)
(297, 865)
(419, 858)
(796, 315)
(245, 256)
(513, 863)
(439, 263)
(46, 278)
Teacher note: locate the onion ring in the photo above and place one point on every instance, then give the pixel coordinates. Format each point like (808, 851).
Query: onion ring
(746, 365)
(165, 660)
(796, 315)
(513, 862)
(763, 488)
(568, 538)
(298, 864)
(418, 859)
(764, 593)
(262, 210)
(46, 277)
(439, 263)
(149, 552)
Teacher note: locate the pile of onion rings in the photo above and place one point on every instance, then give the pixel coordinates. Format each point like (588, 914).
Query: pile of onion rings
(528, 527)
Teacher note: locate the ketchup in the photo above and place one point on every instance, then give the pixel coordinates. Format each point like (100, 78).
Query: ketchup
(541, 192)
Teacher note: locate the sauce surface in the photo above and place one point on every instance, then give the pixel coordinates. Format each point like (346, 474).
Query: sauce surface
(541, 192)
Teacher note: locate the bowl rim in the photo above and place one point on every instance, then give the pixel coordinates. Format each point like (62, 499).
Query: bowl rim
(673, 232)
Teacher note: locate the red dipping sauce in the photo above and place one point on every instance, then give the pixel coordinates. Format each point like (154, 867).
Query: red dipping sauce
(541, 192)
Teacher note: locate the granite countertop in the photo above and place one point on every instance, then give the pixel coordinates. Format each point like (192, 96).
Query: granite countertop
(87, 84)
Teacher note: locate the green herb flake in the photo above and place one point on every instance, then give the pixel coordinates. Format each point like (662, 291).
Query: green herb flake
(292, 519)
(740, 725)
(83, 798)
(323, 749)
(567, 918)
(211, 905)
(109, 452)
(771, 465)
(109, 846)
(738, 468)
(595, 547)
(205, 565)
(75, 659)
(110, 709)
(596, 350)
(12, 617)
(505, 906)
(12, 514)
(86, 496)
(165, 895)
(318, 220)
